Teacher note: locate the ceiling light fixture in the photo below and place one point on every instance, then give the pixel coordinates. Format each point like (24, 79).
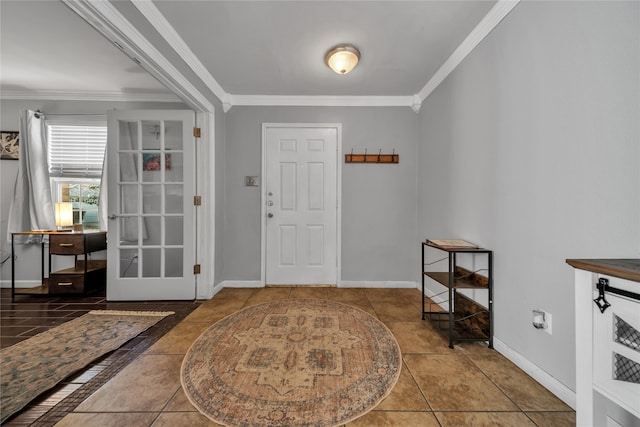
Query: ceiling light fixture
(342, 58)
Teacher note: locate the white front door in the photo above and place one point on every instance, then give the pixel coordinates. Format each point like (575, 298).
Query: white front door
(151, 184)
(300, 198)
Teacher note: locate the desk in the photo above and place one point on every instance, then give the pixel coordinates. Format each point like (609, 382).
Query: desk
(85, 276)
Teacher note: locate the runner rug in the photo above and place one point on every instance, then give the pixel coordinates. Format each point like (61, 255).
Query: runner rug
(35, 365)
(291, 363)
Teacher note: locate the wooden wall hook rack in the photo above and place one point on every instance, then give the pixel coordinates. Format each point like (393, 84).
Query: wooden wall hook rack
(372, 158)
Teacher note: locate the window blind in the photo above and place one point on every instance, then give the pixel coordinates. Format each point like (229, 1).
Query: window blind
(76, 151)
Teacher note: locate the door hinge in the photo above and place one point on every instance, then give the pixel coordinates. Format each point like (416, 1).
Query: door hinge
(197, 132)
(196, 268)
(197, 200)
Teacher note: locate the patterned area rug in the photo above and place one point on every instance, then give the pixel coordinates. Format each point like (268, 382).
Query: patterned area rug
(291, 363)
(35, 365)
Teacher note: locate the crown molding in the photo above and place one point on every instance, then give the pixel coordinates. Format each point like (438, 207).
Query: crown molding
(171, 36)
(66, 95)
(484, 27)
(107, 20)
(322, 101)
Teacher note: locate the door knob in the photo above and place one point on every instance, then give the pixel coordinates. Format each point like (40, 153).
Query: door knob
(270, 215)
(113, 216)
(269, 203)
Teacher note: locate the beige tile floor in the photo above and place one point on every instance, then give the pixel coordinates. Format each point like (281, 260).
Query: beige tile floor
(470, 385)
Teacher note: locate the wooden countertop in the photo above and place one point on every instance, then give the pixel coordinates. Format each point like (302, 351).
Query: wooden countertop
(628, 269)
(48, 232)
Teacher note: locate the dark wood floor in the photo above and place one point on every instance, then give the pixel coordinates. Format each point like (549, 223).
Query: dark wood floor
(27, 316)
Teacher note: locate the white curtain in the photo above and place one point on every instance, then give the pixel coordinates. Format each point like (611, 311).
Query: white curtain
(103, 207)
(129, 193)
(32, 206)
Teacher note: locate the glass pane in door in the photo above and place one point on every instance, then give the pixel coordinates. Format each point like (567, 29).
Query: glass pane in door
(128, 199)
(173, 135)
(173, 230)
(129, 231)
(152, 199)
(128, 167)
(173, 199)
(151, 262)
(151, 134)
(128, 262)
(153, 226)
(127, 135)
(174, 168)
(174, 262)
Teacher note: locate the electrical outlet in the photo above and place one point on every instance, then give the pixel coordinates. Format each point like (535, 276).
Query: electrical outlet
(549, 329)
(542, 320)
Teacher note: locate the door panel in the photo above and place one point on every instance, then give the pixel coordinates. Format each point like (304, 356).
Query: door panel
(151, 164)
(301, 199)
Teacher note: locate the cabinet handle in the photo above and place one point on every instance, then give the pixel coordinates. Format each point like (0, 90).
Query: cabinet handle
(66, 245)
(65, 283)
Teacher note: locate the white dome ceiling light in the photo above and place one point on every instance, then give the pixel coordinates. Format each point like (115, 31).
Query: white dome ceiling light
(342, 58)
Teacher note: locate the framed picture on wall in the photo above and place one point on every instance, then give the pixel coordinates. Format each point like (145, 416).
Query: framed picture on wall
(151, 162)
(9, 145)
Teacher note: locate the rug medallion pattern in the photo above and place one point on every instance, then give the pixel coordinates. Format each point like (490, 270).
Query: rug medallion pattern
(291, 362)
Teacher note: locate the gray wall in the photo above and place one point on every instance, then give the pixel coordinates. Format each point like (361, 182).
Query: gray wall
(378, 201)
(9, 120)
(531, 148)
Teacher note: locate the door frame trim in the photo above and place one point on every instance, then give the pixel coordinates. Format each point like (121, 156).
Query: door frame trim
(263, 193)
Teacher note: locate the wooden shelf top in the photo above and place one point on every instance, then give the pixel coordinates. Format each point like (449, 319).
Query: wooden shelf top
(457, 248)
(625, 268)
(470, 282)
(48, 232)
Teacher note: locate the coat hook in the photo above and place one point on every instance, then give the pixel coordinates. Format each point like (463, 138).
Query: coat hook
(379, 153)
(365, 154)
(393, 155)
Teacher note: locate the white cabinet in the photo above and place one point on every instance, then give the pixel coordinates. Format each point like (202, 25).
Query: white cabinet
(607, 342)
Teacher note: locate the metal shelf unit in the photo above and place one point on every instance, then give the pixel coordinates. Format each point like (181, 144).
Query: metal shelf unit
(465, 319)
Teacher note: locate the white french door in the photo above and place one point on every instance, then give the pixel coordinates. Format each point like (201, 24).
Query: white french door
(151, 183)
(300, 200)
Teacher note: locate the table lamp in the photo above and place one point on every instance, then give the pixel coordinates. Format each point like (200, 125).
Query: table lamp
(64, 215)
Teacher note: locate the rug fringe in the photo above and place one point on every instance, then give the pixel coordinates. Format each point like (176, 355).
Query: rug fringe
(131, 313)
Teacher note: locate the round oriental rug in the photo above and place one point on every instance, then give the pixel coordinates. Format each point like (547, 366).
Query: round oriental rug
(291, 363)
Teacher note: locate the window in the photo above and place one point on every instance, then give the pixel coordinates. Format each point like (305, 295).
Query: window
(76, 156)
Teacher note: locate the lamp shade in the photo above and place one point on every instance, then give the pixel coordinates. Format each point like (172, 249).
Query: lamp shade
(343, 58)
(64, 214)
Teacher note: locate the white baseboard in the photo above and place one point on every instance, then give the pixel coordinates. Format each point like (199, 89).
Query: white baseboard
(342, 284)
(217, 288)
(241, 284)
(377, 284)
(20, 283)
(563, 393)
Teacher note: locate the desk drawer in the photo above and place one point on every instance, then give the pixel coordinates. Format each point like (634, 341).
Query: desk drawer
(65, 283)
(77, 244)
